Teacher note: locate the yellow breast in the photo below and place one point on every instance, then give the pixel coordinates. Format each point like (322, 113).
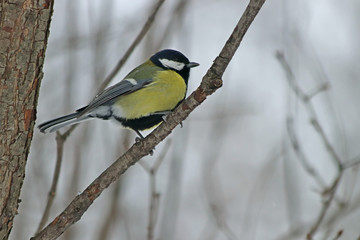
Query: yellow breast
(163, 94)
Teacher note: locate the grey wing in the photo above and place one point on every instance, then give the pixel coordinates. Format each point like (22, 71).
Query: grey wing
(108, 96)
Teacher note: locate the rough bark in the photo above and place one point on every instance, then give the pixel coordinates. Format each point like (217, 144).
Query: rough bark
(24, 30)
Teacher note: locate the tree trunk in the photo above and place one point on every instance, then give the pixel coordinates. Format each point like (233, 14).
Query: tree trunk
(24, 31)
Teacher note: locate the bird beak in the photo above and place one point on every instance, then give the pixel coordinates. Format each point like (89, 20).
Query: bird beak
(192, 64)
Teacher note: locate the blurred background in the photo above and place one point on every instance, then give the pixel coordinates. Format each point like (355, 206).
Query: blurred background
(249, 163)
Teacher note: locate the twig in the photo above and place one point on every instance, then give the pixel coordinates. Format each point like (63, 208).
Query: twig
(352, 163)
(154, 195)
(341, 212)
(221, 222)
(175, 22)
(111, 216)
(210, 83)
(338, 235)
(133, 45)
(60, 139)
(212, 185)
(326, 204)
(257, 195)
(329, 193)
(309, 107)
(300, 154)
(317, 90)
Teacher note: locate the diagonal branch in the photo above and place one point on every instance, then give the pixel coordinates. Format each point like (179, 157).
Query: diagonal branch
(210, 83)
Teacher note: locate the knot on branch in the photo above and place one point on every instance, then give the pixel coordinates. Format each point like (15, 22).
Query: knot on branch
(216, 83)
(200, 95)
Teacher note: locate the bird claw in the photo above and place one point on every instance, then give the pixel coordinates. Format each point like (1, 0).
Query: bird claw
(139, 138)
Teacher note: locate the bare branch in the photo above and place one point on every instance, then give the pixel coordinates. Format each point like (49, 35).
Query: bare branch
(338, 235)
(111, 216)
(309, 107)
(154, 195)
(301, 155)
(334, 216)
(326, 204)
(210, 83)
(352, 163)
(60, 139)
(212, 184)
(328, 193)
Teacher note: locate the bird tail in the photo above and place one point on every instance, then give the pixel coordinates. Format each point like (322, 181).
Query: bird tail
(57, 123)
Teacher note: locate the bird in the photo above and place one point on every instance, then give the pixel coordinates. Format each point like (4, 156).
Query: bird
(141, 100)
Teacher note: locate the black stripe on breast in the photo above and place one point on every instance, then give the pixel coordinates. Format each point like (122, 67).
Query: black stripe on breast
(141, 123)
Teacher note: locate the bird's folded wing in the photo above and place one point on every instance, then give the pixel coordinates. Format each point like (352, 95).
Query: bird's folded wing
(108, 96)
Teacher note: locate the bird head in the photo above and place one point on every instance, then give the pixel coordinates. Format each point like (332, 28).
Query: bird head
(173, 60)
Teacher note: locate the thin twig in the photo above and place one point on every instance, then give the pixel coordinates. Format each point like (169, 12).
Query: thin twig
(351, 163)
(257, 195)
(60, 139)
(309, 108)
(110, 218)
(112, 214)
(175, 24)
(154, 195)
(209, 84)
(328, 193)
(133, 45)
(317, 90)
(300, 153)
(338, 235)
(341, 212)
(212, 185)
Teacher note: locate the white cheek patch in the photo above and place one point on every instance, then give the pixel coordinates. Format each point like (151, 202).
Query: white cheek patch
(172, 64)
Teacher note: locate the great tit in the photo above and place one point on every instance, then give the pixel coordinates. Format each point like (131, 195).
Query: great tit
(141, 100)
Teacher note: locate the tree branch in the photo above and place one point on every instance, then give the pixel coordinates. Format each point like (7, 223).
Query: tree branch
(328, 193)
(300, 153)
(210, 83)
(154, 195)
(60, 140)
